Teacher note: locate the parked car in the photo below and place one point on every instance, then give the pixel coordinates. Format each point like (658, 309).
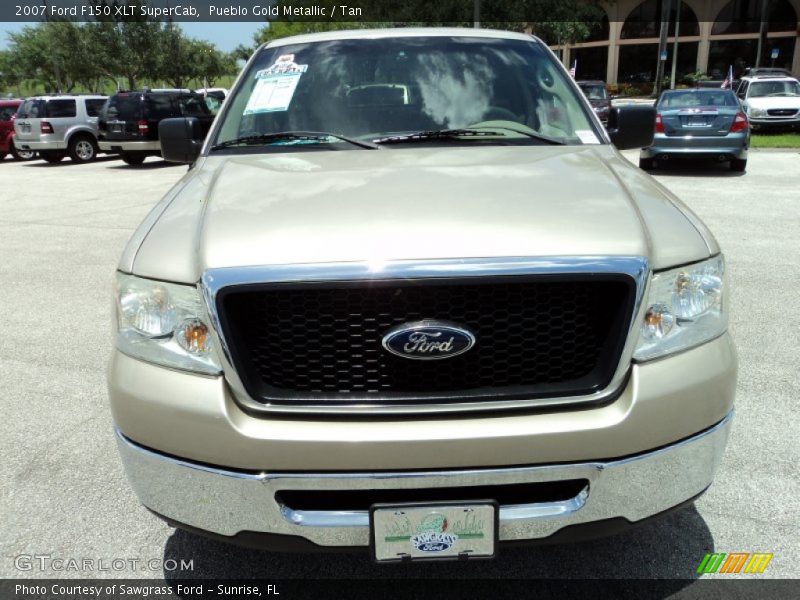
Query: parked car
(771, 102)
(422, 319)
(698, 124)
(59, 125)
(129, 123)
(8, 110)
(597, 94)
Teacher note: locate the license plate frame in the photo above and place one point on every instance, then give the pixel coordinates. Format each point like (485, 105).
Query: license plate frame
(696, 121)
(478, 542)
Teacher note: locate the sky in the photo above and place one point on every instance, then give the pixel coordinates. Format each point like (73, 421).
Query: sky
(225, 35)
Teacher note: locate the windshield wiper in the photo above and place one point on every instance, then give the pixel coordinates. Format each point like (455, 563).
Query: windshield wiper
(449, 134)
(440, 134)
(536, 136)
(311, 136)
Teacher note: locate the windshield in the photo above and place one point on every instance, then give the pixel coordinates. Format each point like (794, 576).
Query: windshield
(594, 92)
(32, 108)
(774, 88)
(369, 89)
(703, 98)
(124, 107)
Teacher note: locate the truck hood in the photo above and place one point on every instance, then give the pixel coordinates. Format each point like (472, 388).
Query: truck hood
(412, 203)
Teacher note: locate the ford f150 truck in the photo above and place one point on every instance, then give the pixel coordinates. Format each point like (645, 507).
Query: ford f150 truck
(410, 297)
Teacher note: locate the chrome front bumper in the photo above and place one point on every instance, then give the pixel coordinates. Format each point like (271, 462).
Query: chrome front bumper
(227, 502)
(785, 120)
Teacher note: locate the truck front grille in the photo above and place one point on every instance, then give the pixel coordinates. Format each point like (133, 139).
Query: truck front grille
(782, 112)
(537, 336)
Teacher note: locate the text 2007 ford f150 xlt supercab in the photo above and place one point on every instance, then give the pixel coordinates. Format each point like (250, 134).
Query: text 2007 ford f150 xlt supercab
(410, 297)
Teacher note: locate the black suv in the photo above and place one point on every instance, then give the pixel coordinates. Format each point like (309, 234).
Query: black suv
(129, 122)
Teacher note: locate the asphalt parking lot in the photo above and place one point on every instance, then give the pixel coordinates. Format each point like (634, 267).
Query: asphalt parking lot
(64, 494)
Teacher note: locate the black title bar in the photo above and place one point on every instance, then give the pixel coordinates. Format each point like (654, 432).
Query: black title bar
(456, 12)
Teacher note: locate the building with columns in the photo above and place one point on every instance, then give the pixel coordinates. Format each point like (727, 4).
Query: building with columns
(712, 35)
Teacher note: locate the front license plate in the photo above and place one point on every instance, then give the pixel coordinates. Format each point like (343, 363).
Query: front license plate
(443, 530)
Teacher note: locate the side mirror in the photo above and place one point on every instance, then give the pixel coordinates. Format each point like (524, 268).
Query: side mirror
(631, 126)
(181, 139)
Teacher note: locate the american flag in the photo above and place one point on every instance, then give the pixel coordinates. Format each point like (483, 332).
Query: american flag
(729, 79)
(573, 68)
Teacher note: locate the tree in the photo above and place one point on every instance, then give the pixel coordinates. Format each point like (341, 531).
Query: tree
(130, 43)
(175, 63)
(10, 75)
(242, 52)
(211, 64)
(56, 54)
(30, 51)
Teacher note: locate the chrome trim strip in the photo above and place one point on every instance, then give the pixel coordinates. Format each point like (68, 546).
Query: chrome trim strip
(214, 280)
(508, 512)
(227, 502)
(542, 510)
(330, 518)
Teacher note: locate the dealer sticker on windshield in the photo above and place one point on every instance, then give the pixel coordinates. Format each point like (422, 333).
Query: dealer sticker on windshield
(434, 531)
(275, 86)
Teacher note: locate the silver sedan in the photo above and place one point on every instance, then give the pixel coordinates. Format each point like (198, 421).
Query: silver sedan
(698, 124)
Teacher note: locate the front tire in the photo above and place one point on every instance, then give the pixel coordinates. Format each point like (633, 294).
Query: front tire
(133, 159)
(646, 164)
(738, 165)
(53, 157)
(82, 149)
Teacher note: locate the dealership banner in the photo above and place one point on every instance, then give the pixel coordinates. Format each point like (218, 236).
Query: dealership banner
(456, 12)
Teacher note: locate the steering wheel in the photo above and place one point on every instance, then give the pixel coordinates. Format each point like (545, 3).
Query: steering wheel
(498, 113)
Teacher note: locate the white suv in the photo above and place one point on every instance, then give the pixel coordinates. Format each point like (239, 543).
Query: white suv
(770, 101)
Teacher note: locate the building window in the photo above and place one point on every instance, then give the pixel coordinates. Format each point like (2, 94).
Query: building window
(744, 16)
(723, 54)
(592, 62)
(637, 62)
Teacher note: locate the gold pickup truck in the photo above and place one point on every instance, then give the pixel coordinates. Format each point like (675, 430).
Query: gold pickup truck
(410, 298)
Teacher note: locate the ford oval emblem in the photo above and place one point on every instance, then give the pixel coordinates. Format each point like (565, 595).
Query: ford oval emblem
(428, 340)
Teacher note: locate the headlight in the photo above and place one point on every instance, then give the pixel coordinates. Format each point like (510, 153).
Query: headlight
(163, 323)
(685, 308)
(757, 112)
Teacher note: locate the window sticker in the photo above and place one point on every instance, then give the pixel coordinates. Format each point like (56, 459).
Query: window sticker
(587, 136)
(275, 86)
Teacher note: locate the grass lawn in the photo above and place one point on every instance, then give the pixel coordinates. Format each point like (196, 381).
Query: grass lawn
(775, 140)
